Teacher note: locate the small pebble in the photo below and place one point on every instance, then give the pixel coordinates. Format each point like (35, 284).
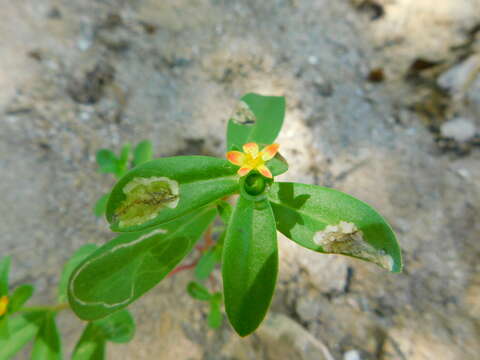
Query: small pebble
(459, 129)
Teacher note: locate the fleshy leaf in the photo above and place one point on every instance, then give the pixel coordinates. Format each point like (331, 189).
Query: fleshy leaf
(224, 210)
(23, 328)
(329, 221)
(4, 327)
(257, 119)
(4, 271)
(215, 315)
(107, 161)
(122, 270)
(118, 327)
(143, 153)
(278, 165)
(47, 344)
(91, 345)
(206, 264)
(122, 164)
(19, 297)
(198, 291)
(78, 256)
(101, 205)
(163, 189)
(250, 264)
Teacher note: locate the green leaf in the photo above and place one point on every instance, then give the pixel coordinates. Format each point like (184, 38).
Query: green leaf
(107, 161)
(262, 127)
(164, 189)
(278, 165)
(91, 345)
(206, 264)
(19, 297)
(250, 264)
(329, 221)
(143, 153)
(224, 210)
(122, 270)
(198, 291)
(78, 256)
(118, 327)
(22, 328)
(4, 327)
(47, 344)
(101, 206)
(4, 271)
(122, 164)
(214, 319)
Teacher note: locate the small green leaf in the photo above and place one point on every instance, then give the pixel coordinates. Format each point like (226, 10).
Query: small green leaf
(206, 264)
(91, 345)
(4, 327)
(47, 344)
(224, 210)
(215, 316)
(262, 126)
(118, 327)
(19, 297)
(122, 164)
(107, 161)
(143, 153)
(250, 264)
(198, 291)
(217, 298)
(329, 221)
(23, 328)
(122, 270)
(78, 256)
(278, 165)
(4, 271)
(164, 189)
(101, 205)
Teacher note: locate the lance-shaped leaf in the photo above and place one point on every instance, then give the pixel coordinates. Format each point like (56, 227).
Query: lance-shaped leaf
(47, 344)
(125, 268)
(19, 297)
(4, 271)
(164, 189)
(23, 328)
(329, 221)
(257, 119)
(250, 264)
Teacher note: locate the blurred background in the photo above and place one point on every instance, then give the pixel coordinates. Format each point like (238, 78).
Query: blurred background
(383, 102)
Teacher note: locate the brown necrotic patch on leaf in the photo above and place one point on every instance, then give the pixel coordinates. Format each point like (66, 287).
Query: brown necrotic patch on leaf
(346, 239)
(145, 198)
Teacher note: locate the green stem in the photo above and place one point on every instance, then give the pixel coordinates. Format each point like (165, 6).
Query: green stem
(54, 308)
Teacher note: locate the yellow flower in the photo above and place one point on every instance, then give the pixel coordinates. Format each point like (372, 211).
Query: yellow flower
(252, 159)
(3, 305)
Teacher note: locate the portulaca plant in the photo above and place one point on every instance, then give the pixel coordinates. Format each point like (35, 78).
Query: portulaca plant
(162, 207)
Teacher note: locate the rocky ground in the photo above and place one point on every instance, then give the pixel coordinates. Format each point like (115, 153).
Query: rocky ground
(383, 103)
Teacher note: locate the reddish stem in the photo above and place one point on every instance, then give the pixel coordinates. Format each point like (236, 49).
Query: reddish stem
(208, 243)
(182, 268)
